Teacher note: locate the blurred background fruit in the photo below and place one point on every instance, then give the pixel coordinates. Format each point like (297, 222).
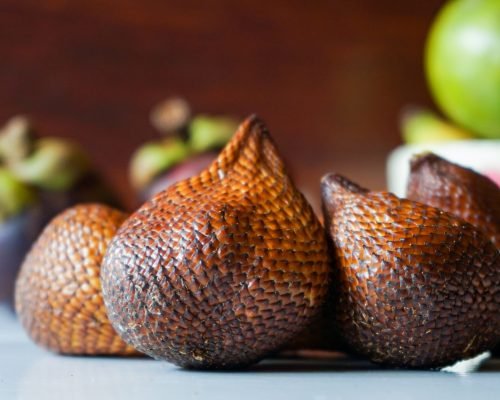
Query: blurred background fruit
(39, 177)
(462, 62)
(19, 220)
(189, 144)
(419, 125)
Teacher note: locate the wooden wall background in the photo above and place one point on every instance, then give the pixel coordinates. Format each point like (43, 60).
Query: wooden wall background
(329, 77)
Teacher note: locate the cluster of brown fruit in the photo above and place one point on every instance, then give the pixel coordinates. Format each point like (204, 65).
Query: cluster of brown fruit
(231, 265)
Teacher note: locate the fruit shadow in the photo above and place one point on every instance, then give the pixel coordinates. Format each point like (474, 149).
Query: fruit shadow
(339, 362)
(343, 364)
(492, 365)
(314, 361)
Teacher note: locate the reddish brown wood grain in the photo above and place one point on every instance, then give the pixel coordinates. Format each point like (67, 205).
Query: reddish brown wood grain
(329, 77)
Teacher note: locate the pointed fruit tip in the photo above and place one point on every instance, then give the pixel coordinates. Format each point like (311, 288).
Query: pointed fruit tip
(332, 182)
(420, 159)
(253, 124)
(251, 145)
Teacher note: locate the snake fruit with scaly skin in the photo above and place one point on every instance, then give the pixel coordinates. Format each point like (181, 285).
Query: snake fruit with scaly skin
(58, 290)
(457, 190)
(414, 286)
(221, 269)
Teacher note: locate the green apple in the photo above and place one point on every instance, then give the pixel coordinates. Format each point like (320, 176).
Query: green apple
(462, 63)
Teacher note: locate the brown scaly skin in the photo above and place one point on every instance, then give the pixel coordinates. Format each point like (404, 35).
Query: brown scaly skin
(457, 190)
(415, 287)
(58, 290)
(220, 269)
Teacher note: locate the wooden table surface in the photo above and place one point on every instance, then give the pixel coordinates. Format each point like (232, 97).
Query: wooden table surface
(329, 77)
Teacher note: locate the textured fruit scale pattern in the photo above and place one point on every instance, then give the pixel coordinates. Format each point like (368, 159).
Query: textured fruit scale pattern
(457, 190)
(58, 290)
(414, 286)
(223, 268)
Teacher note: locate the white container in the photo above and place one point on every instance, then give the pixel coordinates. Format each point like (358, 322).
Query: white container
(482, 156)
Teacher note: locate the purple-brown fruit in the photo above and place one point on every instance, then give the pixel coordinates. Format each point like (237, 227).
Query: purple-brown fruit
(414, 286)
(16, 237)
(221, 269)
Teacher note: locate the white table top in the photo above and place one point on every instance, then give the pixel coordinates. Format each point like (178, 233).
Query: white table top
(27, 372)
